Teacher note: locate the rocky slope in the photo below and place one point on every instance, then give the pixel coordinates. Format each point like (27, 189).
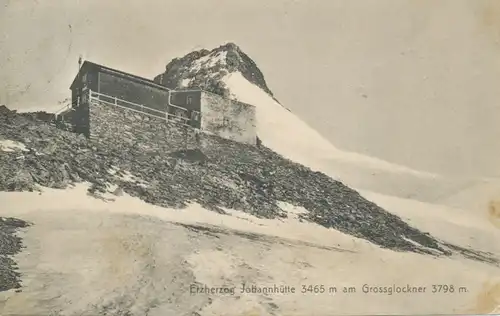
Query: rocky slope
(205, 69)
(218, 174)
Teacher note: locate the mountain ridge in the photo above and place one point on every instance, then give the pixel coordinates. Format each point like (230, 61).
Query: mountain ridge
(216, 63)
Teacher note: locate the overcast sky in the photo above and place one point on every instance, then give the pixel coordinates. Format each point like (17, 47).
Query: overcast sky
(413, 82)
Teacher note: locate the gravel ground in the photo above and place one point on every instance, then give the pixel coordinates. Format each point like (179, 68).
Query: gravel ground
(10, 244)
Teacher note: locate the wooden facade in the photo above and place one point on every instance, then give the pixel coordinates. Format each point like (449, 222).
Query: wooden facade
(116, 84)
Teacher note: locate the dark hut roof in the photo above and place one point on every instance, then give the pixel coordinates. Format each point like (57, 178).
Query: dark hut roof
(88, 66)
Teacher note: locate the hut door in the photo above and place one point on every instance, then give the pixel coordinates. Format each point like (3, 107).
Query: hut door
(84, 95)
(195, 119)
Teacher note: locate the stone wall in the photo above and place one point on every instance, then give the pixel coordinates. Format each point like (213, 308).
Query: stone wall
(108, 123)
(228, 118)
(222, 117)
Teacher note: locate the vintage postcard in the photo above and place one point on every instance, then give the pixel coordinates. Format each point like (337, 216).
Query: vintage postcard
(237, 157)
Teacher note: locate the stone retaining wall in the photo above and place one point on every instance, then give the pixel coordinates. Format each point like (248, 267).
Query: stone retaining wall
(114, 123)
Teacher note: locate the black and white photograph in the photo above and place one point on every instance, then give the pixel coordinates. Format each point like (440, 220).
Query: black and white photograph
(249, 158)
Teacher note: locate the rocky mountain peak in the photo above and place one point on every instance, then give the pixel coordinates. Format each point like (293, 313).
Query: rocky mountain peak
(205, 69)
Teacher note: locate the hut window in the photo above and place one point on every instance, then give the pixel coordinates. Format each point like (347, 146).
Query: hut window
(195, 115)
(189, 99)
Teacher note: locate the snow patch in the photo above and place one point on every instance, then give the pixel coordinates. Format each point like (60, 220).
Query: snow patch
(293, 211)
(115, 258)
(185, 83)
(454, 225)
(12, 146)
(209, 61)
(76, 198)
(126, 176)
(414, 243)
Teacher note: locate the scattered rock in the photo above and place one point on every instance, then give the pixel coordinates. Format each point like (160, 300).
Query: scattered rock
(10, 244)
